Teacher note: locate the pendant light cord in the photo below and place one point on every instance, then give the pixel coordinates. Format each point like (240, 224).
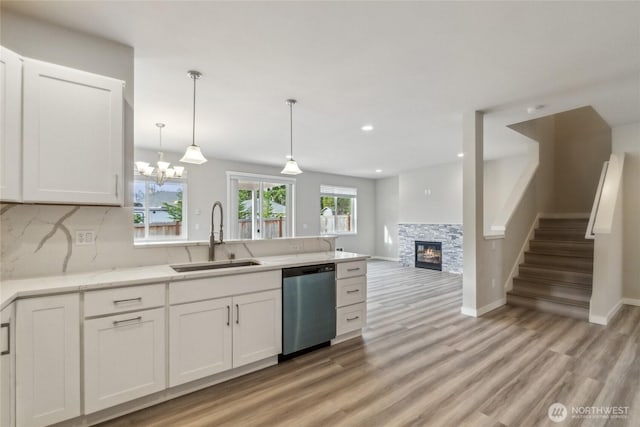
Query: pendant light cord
(193, 141)
(291, 128)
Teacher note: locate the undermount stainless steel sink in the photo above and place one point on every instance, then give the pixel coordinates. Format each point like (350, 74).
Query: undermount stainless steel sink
(182, 268)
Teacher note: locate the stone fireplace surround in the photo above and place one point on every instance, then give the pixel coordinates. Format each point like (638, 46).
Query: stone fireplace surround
(449, 234)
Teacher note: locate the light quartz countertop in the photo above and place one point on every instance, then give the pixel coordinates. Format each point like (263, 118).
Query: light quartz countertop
(48, 285)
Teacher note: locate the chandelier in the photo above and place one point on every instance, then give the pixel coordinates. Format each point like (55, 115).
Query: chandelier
(162, 172)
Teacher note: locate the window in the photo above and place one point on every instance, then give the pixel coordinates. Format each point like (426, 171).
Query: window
(261, 207)
(337, 210)
(158, 210)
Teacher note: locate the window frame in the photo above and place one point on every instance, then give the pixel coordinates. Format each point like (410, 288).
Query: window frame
(184, 227)
(232, 202)
(343, 193)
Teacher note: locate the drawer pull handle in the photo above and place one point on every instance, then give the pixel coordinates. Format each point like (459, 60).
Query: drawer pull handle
(353, 269)
(228, 315)
(351, 319)
(354, 291)
(119, 322)
(8, 350)
(122, 301)
(237, 314)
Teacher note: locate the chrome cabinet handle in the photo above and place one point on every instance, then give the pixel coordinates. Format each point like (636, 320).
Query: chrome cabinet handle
(353, 269)
(120, 301)
(228, 315)
(116, 185)
(119, 322)
(237, 314)
(8, 326)
(353, 318)
(353, 292)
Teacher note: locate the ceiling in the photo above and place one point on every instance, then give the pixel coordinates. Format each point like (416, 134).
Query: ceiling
(408, 68)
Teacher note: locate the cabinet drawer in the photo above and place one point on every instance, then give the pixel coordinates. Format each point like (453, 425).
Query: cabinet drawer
(351, 291)
(223, 286)
(351, 269)
(350, 318)
(110, 301)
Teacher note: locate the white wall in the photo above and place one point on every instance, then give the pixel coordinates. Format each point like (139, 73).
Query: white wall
(626, 139)
(500, 176)
(208, 183)
(387, 211)
(431, 195)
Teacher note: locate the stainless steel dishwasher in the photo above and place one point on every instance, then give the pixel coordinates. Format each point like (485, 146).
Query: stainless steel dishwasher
(308, 307)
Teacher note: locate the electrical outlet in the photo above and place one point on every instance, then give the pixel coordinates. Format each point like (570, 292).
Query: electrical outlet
(85, 237)
(295, 247)
(339, 249)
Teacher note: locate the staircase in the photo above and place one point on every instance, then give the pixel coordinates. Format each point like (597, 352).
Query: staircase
(557, 272)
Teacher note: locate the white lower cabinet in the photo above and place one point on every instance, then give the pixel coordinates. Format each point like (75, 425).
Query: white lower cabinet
(7, 368)
(47, 360)
(257, 330)
(124, 358)
(212, 336)
(200, 334)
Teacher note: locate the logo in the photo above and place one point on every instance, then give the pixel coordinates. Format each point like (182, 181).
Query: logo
(557, 412)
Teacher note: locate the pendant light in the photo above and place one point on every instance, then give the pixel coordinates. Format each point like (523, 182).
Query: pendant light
(291, 167)
(193, 153)
(162, 172)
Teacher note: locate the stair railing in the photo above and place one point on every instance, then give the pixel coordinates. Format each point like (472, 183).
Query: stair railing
(601, 218)
(596, 203)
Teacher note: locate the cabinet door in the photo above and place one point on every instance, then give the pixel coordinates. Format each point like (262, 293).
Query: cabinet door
(257, 327)
(47, 360)
(10, 126)
(124, 358)
(7, 368)
(199, 340)
(72, 136)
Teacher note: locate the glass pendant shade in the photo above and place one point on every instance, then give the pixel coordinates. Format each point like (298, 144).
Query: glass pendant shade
(291, 168)
(142, 166)
(193, 155)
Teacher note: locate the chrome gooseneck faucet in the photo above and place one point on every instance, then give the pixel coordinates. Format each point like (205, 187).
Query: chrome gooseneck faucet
(212, 241)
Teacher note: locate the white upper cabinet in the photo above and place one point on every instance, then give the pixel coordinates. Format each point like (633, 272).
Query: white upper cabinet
(72, 136)
(10, 126)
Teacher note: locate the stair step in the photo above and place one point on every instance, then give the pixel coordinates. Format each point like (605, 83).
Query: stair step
(562, 247)
(543, 287)
(580, 223)
(568, 263)
(548, 304)
(566, 234)
(555, 274)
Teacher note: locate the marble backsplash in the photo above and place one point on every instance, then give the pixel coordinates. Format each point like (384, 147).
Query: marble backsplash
(39, 240)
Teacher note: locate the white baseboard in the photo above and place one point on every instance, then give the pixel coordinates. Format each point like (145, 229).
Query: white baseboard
(468, 311)
(631, 301)
(604, 320)
(567, 215)
(384, 258)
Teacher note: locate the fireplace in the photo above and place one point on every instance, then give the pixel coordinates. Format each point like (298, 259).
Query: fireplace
(429, 255)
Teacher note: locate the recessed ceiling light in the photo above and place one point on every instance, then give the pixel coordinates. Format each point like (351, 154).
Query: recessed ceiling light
(460, 154)
(378, 170)
(367, 128)
(534, 108)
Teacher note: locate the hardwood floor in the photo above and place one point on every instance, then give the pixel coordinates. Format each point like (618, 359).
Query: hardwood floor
(422, 363)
